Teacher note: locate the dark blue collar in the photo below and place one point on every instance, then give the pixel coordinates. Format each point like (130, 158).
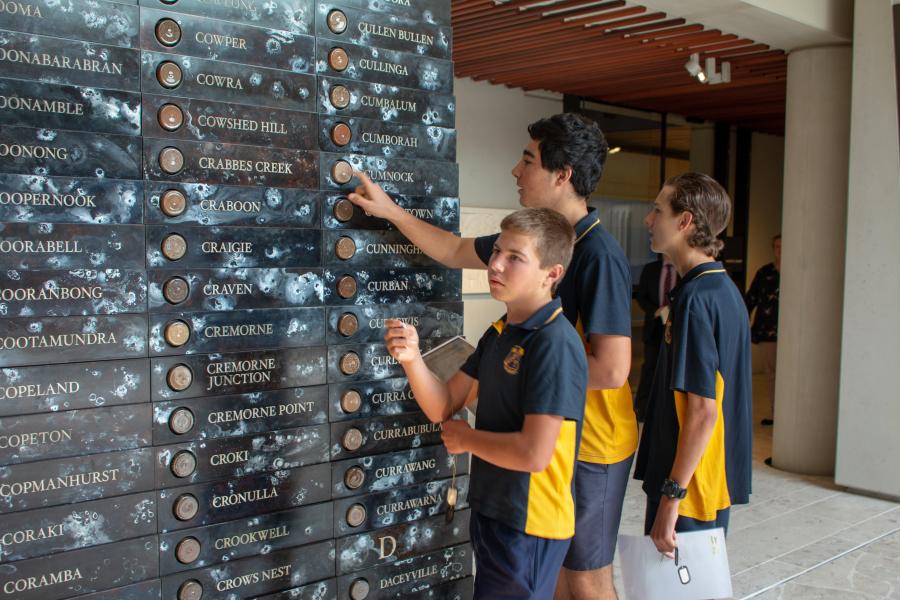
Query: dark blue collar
(541, 317)
(586, 222)
(701, 269)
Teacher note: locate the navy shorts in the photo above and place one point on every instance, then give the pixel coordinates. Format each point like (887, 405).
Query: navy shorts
(599, 495)
(685, 523)
(512, 565)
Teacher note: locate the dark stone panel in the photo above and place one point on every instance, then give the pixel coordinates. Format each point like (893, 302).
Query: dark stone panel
(365, 399)
(377, 65)
(58, 529)
(73, 433)
(233, 164)
(38, 199)
(396, 176)
(411, 577)
(388, 103)
(68, 339)
(406, 33)
(321, 590)
(444, 320)
(259, 575)
(228, 82)
(374, 249)
(204, 121)
(399, 542)
(373, 360)
(73, 386)
(296, 16)
(394, 286)
(146, 590)
(79, 479)
(391, 140)
(62, 247)
(56, 152)
(52, 106)
(226, 458)
(82, 571)
(233, 42)
(245, 496)
(403, 505)
(241, 372)
(237, 330)
(243, 414)
(231, 205)
(247, 537)
(236, 247)
(394, 470)
(236, 289)
(85, 20)
(440, 212)
(66, 293)
(428, 11)
(458, 589)
(375, 435)
(69, 62)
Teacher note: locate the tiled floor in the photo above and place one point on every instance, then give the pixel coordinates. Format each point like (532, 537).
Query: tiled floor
(802, 538)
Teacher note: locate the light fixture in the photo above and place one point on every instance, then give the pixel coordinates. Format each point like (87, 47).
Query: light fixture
(693, 67)
(708, 74)
(615, 150)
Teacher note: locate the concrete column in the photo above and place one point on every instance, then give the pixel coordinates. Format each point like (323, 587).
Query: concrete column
(868, 444)
(817, 136)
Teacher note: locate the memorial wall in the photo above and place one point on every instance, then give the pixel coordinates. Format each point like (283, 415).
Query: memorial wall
(195, 399)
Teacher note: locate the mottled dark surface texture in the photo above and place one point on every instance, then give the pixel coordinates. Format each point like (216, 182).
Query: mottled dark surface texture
(377, 398)
(296, 16)
(86, 200)
(389, 471)
(392, 286)
(440, 320)
(69, 246)
(441, 212)
(388, 103)
(111, 23)
(391, 140)
(76, 292)
(389, 67)
(396, 176)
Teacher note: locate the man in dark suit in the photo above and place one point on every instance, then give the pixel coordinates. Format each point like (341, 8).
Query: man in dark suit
(657, 280)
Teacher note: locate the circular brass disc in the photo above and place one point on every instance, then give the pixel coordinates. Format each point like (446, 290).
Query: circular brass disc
(338, 59)
(187, 550)
(176, 290)
(341, 171)
(348, 324)
(185, 507)
(343, 210)
(340, 96)
(168, 32)
(170, 117)
(174, 246)
(352, 439)
(183, 464)
(171, 160)
(177, 333)
(169, 75)
(190, 590)
(345, 248)
(350, 363)
(351, 401)
(337, 21)
(172, 203)
(346, 287)
(180, 378)
(354, 477)
(356, 515)
(181, 421)
(341, 134)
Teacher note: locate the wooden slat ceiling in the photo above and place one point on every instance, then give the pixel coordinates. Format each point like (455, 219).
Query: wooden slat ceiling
(620, 53)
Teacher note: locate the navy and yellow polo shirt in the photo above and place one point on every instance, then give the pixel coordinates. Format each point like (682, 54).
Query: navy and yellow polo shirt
(534, 367)
(706, 352)
(596, 299)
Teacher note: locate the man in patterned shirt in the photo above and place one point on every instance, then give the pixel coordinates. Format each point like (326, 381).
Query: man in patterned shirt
(763, 296)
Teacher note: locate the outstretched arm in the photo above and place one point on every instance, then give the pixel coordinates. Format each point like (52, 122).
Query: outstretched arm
(438, 400)
(450, 250)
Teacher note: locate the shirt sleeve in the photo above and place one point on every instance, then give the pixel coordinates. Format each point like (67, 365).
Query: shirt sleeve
(604, 296)
(470, 367)
(484, 246)
(695, 355)
(554, 377)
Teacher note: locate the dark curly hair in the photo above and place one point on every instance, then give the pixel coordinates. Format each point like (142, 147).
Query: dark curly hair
(708, 203)
(575, 141)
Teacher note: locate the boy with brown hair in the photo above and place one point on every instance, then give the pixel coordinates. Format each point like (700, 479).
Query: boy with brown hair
(695, 450)
(531, 374)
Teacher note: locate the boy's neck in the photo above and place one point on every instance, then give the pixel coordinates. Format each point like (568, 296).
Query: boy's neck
(573, 208)
(687, 258)
(520, 310)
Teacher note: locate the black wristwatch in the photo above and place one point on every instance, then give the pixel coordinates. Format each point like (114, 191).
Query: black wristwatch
(671, 489)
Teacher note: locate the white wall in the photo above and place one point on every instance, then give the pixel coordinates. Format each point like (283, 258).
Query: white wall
(766, 182)
(869, 401)
(492, 123)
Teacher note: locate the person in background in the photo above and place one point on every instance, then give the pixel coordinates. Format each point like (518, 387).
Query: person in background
(658, 278)
(763, 298)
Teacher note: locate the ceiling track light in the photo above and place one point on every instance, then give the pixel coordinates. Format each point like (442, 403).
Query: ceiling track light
(708, 74)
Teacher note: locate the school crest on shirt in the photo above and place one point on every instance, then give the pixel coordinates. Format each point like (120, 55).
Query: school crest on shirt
(513, 360)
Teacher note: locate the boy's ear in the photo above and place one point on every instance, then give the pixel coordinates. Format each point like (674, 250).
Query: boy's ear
(685, 220)
(555, 274)
(563, 175)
